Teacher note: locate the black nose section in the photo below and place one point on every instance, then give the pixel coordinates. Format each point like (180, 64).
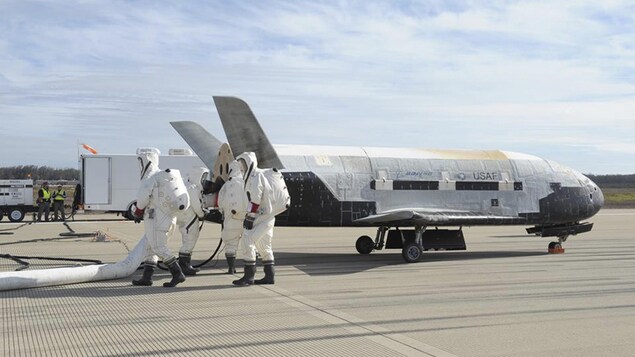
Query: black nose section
(568, 204)
(598, 199)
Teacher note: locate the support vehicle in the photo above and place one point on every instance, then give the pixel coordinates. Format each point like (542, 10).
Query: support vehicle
(110, 182)
(16, 199)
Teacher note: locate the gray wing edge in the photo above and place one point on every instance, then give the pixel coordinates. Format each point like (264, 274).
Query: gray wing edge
(433, 217)
(244, 133)
(204, 144)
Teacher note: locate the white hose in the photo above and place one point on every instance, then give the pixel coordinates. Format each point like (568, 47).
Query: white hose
(61, 276)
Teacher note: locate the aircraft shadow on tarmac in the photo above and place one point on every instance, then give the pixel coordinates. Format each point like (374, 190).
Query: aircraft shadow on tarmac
(315, 264)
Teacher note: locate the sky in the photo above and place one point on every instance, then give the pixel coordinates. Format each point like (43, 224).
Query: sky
(552, 78)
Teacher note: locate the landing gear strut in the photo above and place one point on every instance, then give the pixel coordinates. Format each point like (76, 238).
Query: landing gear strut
(365, 244)
(409, 241)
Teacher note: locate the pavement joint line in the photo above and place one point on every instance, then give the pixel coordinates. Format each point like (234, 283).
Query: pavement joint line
(397, 342)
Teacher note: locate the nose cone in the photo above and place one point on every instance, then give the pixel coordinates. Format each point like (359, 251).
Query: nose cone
(595, 194)
(598, 198)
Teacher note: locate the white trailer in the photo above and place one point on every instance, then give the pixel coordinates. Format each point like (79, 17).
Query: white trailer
(110, 182)
(16, 199)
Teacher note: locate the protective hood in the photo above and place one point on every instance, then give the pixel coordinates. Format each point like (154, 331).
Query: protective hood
(251, 162)
(235, 169)
(148, 162)
(197, 176)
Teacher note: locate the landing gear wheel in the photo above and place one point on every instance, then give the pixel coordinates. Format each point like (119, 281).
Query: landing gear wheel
(1, 215)
(16, 215)
(555, 248)
(412, 252)
(365, 245)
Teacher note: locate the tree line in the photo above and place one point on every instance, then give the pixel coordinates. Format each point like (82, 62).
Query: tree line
(39, 173)
(613, 181)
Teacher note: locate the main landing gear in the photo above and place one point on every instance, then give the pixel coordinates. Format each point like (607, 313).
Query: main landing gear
(412, 249)
(365, 244)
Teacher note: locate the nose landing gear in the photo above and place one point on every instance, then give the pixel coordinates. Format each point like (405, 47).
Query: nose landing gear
(556, 247)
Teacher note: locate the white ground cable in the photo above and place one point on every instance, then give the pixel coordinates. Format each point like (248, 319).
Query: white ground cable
(61, 276)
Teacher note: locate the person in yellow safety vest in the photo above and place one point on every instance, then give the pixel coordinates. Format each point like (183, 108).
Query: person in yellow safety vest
(44, 202)
(59, 197)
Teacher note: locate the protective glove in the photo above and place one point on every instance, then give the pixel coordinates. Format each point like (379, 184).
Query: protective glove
(248, 223)
(137, 214)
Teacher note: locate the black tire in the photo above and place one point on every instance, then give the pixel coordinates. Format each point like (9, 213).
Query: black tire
(16, 215)
(1, 215)
(412, 252)
(365, 245)
(554, 245)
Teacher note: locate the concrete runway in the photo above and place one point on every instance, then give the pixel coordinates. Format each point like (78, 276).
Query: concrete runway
(504, 296)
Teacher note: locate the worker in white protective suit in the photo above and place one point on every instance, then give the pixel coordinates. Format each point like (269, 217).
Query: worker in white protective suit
(188, 220)
(258, 223)
(232, 203)
(161, 195)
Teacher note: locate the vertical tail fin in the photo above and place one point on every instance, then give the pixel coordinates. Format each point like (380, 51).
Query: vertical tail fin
(244, 133)
(204, 144)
